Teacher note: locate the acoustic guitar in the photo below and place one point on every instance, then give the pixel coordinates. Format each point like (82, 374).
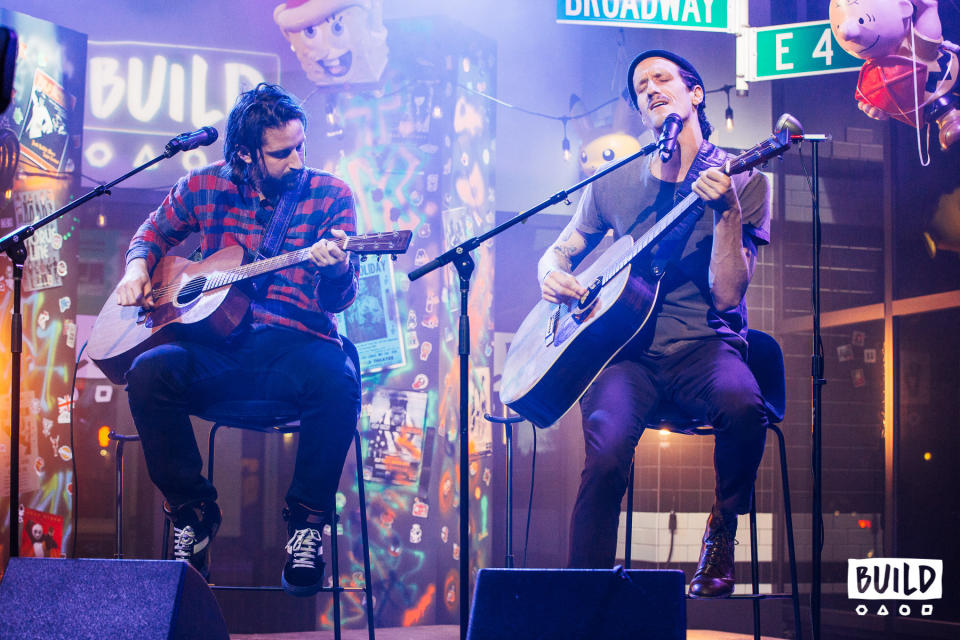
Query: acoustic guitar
(560, 349)
(198, 300)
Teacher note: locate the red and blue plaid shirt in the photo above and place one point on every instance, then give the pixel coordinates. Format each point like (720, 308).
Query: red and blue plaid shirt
(207, 202)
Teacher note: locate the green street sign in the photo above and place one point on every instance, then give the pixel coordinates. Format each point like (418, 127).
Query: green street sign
(697, 15)
(793, 50)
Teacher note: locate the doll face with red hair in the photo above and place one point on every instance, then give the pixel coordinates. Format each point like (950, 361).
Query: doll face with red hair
(336, 41)
(870, 28)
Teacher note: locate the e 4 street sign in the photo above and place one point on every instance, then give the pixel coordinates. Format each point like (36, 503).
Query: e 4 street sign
(794, 50)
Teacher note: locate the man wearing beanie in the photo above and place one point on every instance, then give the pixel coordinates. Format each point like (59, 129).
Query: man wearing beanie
(694, 350)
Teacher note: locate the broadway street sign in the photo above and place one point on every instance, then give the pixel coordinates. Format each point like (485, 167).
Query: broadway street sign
(698, 15)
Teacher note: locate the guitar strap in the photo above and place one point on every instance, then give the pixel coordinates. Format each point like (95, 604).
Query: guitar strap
(277, 231)
(708, 156)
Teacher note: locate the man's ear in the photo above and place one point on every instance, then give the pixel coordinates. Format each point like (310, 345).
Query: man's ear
(906, 8)
(697, 95)
(244, 154)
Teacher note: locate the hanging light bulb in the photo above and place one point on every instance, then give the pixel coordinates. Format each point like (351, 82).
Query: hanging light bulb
(566, 149)
(728, 114)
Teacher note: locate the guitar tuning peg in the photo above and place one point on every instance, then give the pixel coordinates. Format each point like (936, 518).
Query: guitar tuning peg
(393, 257)
(363, 258)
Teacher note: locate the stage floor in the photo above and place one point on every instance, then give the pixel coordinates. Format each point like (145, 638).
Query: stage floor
(443, 632)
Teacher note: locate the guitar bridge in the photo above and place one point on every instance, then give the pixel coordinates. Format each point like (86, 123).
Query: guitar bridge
(552, 322)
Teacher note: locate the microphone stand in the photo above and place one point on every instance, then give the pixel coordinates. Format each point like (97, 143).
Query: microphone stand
(464, 264)
(14, 245)
(818, 380)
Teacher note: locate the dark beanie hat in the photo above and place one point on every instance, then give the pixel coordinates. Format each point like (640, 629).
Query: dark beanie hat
(705, 127)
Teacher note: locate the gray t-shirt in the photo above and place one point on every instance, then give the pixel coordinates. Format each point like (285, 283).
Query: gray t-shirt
(630, 200)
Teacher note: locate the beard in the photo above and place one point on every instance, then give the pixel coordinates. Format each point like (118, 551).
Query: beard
(275, 186)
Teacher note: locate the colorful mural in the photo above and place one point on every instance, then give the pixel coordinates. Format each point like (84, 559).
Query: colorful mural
(419, 155)
(47, 115)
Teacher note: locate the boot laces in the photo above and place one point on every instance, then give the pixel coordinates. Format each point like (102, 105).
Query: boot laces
(304, 546)
(183, 542)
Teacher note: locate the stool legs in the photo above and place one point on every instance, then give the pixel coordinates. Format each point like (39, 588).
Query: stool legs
(754, 543)
(367, 578)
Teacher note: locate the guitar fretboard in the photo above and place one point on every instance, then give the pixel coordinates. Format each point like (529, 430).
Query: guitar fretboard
(219, 279)
(654, 233)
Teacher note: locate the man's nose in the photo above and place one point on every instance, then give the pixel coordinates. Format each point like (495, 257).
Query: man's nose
(850, 29)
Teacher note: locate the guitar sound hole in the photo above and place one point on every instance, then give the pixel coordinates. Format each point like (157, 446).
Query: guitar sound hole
(191, 291)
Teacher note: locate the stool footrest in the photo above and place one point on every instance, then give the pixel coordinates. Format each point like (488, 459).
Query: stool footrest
(748, 596)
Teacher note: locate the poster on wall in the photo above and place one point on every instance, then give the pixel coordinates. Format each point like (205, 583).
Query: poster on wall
(395, 436)
(43, 132)
(42, 269)
(372, 322)
(41, 535)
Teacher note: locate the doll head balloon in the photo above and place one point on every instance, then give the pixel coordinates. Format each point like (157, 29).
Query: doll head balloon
(870, 28)
(337, 41)
(908, 74)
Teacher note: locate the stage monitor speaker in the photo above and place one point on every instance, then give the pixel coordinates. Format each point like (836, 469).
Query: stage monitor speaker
(578, 603)
(116, 599)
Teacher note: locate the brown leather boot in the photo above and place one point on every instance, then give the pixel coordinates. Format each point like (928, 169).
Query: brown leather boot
(715, 577)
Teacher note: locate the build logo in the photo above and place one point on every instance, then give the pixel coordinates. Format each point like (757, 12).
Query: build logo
(892, 581)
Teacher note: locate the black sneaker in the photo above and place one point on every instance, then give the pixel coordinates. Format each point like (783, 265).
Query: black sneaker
(194, 527)
(303, 572)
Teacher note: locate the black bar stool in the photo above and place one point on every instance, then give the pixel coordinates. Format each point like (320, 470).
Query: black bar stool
(765, 360)
(280, 418)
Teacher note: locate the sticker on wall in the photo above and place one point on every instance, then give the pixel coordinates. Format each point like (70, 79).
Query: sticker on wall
(416, 533)
(421, 508)
(456, 551)
(430, 322)
(858, 379)
(70, 332)
(845, 353)
(64, 303)
(63, 409)
(425, 349)
(423, 231)
(411, 319)
(412, 340)
(420, 382)
(65, 453)
(103, 393)
(62, 269)
(486, 476)
(43, 319)
(858, 338)
(870, 356)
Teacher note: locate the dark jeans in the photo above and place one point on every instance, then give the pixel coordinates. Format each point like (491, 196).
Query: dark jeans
(169, 382)
(709, 380)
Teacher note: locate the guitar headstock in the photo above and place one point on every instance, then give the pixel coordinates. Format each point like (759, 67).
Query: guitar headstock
(386, 243)
(776, 145)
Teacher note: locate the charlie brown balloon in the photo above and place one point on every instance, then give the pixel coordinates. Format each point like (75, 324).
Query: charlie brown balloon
(337, 41)
(909, 65)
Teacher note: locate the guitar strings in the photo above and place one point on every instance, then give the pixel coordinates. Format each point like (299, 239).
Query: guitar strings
(197, 284)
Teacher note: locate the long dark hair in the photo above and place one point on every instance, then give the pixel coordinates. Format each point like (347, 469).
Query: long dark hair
(266, 106)
(693, 81)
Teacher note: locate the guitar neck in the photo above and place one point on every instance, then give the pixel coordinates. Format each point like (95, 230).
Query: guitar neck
(226, 277)
(654, 233)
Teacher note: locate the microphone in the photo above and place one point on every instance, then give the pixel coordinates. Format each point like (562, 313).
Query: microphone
(793, 125)
(672, 125)
(192, 140)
